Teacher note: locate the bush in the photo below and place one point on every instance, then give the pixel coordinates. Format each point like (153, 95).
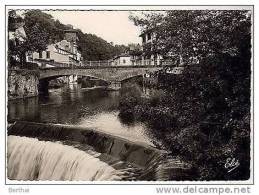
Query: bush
(132, 90)
(130, 97)
(151, 110)
(202, 115)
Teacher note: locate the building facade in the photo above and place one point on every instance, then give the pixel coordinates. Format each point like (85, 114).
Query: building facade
(149, 57)
(122, 60)
(64, 53)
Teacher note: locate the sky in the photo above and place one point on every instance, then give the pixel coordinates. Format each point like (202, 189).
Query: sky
(112, 26)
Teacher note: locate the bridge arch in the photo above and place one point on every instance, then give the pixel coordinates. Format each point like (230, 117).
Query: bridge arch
(44, 81)
(53, 75)
(113, 75)
(83, 75)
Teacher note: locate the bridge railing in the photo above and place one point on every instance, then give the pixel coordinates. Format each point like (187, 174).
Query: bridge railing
(143, 62)
(149, 62)
(98, 63)
(51, 63)
(108, 63)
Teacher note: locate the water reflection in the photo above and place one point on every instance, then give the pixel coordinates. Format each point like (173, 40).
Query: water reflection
(70, 104)
(24, 109)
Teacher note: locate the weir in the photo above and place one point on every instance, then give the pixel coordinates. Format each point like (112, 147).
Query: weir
(38, 151)
(31, 159)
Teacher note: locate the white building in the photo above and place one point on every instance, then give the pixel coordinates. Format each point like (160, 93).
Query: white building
(148, 38)
(63, 53)
(122, 60)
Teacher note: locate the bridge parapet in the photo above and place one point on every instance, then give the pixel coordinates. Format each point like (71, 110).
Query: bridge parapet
(105, 67)
(106, 73)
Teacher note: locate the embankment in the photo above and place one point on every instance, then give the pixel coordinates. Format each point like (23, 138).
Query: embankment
(22, 83)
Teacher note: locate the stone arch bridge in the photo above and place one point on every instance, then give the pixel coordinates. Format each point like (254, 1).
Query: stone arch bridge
(111, 74)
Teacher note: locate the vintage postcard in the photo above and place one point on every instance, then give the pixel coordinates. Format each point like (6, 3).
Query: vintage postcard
(120, 95)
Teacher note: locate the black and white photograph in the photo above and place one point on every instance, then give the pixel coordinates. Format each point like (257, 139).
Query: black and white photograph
(129, 94)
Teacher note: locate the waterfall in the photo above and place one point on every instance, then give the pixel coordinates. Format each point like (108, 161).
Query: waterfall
(31, 159)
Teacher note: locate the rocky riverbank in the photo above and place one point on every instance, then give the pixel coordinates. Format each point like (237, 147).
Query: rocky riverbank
(22, 84)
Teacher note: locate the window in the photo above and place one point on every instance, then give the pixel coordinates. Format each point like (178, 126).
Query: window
(148, 36)
(144, 39)
(124, 61)
(40, 54)
(48, 54)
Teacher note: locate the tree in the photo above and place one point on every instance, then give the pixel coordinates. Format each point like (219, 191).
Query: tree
(210, 102)
(16, 38)
(135, 49)
(41, 30)
(53, 29)
(195, 35)
(95, 48)
(37, 33)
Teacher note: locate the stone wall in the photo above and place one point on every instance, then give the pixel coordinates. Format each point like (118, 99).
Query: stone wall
(22, 84)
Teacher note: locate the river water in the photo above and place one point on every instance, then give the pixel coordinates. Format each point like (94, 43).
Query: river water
(71, 104)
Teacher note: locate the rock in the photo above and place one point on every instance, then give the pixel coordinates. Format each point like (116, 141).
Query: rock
(22, 84)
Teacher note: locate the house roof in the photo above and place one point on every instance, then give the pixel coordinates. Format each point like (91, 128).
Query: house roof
(69, 52)
(146, 31)
(58, 46)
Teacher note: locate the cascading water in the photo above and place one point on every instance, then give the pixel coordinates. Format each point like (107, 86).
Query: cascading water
(31, 159)
(81, 154)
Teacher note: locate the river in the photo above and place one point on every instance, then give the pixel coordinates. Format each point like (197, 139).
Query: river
(73, 105)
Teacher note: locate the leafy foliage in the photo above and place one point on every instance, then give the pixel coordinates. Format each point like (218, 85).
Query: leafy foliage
(95, 48)
(195, 34)
(204, 113)
(53, 29)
